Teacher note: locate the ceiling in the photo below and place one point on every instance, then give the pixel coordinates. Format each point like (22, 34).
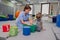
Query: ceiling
(31, 1)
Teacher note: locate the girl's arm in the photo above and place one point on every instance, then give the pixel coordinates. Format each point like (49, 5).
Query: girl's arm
(41, 25)
(23, 22)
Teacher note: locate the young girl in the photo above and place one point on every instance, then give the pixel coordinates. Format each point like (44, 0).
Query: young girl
(39, 22)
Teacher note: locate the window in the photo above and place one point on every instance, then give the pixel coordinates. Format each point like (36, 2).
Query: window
(31, 12)
(45, 9)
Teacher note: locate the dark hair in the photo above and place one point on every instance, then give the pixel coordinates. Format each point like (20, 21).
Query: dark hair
(38, 15)
(27, 7)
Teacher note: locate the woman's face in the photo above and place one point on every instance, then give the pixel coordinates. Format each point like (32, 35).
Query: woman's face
(27, 10)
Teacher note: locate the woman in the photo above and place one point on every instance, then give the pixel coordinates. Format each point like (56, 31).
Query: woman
(24, 17)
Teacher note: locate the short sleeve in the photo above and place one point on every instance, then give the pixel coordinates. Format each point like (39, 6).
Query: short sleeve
(20, 17)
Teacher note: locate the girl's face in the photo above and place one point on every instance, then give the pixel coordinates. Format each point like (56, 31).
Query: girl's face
(38, 16)
(27, 10)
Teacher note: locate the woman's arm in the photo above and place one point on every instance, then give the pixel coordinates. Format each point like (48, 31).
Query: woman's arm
(23, 22)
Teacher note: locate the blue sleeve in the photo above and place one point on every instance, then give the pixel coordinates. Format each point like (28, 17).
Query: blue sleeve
(20, 17)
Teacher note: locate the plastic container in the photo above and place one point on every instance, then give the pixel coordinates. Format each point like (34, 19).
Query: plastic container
(13, 31)
(10, 17)
(58, 21)
(33, 28)
(5, 27)
(54, 19)
(26, 30)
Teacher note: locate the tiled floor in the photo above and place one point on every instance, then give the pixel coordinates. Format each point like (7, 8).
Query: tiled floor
(43, 35)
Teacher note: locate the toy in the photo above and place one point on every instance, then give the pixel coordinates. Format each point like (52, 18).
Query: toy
(17, 13)
(5, 27)
(13, 31)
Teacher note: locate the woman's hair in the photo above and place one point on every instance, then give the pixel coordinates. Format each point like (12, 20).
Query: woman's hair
(38, 15)
(27, 7)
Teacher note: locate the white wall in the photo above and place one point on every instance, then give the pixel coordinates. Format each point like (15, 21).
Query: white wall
(37, 8)
(59, 7)
(55, 8)
(21, 7)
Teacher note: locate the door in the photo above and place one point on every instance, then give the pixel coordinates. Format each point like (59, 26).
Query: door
(45, 8)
